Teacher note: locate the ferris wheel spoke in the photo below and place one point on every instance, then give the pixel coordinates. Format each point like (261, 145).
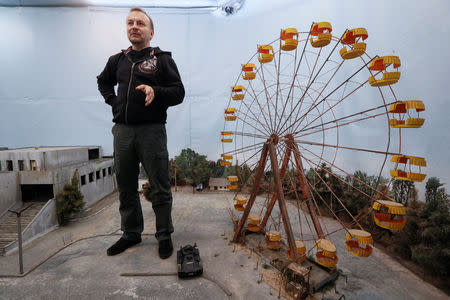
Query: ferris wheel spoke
(312, 101)
(248, 159)
(266, 93)
(273, 77)
(251, 125)
(341, 179)
(326, 204)
(255, 98)
(340, 125)
(244, 149)
(345, 147)
(338, 65)
(299, 120)
(297, 202)
(343, 118)
(253, 113)
(305, 127)
(277, 68)
(348, 174)
(265, 137)
(275, 86)
(293, 79)
(311, 72)
(311, 82)
(332, 192)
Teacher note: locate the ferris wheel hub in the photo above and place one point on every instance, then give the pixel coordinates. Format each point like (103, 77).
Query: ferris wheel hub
(274, 139)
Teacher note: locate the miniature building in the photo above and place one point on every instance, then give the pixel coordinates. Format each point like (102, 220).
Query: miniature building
(38, 174)
(218, 184)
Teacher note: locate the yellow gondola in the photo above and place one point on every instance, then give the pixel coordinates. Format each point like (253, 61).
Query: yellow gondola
(232, 178)
(230, 118)
(240, 201)
(351, 38)
(326, 254)
(227, 140)
(237, 92)
(410, 160)
(230, 110)
(301, 250)
(265, 53)
(381, 64)
(232, 186)
(226, 133)
(389, 215)
(358, 242)
(401, 108)
(289, 39)
(249, 70)
(225, 163)
(273, 240)
(322, 31)
(227, 156)
(253, 222)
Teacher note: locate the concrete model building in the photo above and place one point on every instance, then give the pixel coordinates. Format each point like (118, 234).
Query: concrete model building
(36, 175)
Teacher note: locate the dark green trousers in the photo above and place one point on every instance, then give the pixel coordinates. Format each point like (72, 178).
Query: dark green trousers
(145, 143)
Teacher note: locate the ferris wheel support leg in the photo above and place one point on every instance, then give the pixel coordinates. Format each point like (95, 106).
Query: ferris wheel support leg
(248, 207)
(281, 200)
(274, 196)
(305, 189)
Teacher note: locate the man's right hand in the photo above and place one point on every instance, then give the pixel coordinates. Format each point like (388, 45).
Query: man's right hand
(149, 93)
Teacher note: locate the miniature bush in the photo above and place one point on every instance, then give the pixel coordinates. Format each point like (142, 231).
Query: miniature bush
(69, 200)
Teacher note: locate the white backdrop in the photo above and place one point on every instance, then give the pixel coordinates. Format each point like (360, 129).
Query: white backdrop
(50, 57)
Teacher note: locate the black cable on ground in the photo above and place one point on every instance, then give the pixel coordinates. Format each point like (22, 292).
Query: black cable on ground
(223, 288)
(60, 249)
(204, 276)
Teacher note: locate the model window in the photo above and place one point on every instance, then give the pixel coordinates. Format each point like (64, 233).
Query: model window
(33, 165)
(21, 165)
(104, 172)
(83, 179)
(109, 171)
(93, 153)
(91, 176)
(97, 175)
(9, 165)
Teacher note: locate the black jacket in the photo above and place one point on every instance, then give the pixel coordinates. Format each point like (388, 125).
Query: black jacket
(131, 68)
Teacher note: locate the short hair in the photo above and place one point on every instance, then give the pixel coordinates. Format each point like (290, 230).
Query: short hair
(142, 11)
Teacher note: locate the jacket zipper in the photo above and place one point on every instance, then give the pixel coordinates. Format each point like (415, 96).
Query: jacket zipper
(129, 84)
(128, 93)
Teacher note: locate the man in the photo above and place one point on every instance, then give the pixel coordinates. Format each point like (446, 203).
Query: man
(148, 83)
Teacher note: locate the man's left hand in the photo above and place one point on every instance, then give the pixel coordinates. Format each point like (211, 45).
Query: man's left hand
(149, 93)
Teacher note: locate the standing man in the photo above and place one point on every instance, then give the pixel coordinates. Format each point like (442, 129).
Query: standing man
(149, 83)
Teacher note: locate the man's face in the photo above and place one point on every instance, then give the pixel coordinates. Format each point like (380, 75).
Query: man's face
(138, 28)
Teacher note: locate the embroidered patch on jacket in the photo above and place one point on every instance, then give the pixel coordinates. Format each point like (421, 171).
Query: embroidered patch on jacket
(149, 65)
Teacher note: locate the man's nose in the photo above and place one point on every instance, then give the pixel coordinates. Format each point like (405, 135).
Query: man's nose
(134, 25)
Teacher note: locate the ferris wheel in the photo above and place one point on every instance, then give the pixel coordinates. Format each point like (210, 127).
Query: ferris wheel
(309, 100)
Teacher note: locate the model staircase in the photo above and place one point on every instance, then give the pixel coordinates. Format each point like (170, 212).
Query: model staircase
(8, 227)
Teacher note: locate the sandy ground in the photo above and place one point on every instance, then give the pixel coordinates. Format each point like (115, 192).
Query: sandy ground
(82, 270)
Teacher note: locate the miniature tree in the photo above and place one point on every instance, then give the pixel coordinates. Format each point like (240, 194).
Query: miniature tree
(69, 200)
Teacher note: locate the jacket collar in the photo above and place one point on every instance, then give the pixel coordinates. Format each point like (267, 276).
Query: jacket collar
(151, 50)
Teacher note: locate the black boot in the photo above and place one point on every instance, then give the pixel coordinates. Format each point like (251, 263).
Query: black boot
(121, 245)
(165, 248)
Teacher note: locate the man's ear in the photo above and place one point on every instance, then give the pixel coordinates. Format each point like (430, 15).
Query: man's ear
(152, 34)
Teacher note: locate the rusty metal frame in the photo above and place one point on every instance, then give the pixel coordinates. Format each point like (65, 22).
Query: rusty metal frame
(269, 151)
